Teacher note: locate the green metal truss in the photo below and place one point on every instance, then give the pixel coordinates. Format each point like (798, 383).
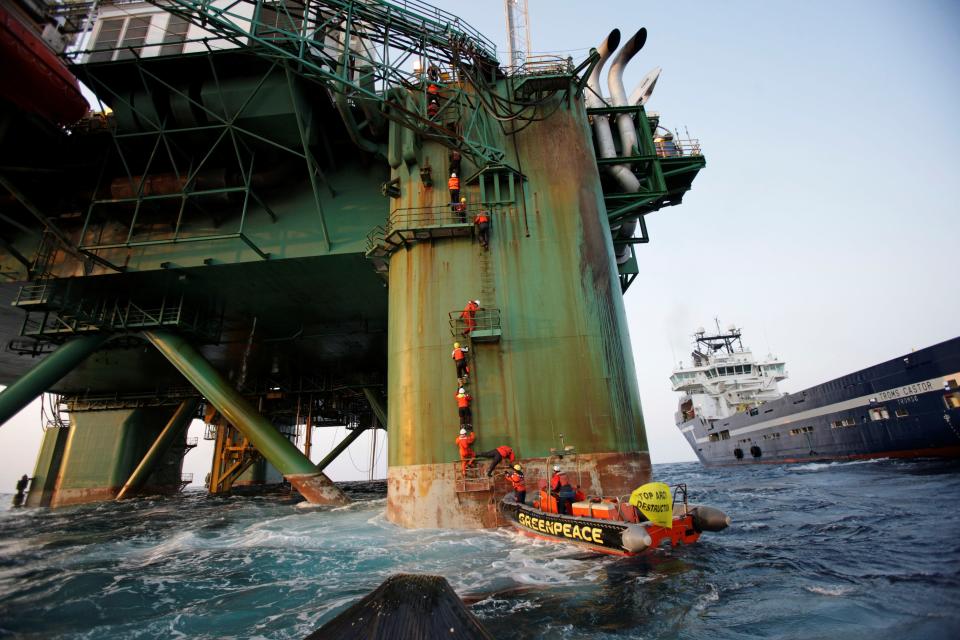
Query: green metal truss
(363, 51)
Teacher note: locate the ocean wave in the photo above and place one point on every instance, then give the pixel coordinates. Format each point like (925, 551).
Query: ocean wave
(834, 590)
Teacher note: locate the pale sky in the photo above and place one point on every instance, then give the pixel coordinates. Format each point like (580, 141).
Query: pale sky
(824, 223)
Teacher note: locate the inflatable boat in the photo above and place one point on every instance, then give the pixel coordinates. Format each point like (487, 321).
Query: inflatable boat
(613, 525)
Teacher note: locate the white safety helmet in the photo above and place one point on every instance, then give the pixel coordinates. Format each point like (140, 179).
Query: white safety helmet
(476, 302)
(453, 175)
(463, 432)
(461, 390)
(556, 467)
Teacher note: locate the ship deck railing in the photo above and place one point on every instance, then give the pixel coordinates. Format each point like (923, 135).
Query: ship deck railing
(485, 325)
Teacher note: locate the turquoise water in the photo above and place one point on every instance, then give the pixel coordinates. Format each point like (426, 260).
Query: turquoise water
(862, 550)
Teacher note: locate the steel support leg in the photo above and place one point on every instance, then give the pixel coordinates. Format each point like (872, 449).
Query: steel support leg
(179, 421)
(280, 452)
(376, 404)
(46, 373)
(337, 450)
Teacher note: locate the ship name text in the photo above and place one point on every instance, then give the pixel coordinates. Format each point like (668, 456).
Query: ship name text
(908, 390)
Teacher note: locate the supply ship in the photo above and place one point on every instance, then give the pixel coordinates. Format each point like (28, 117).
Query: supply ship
(732, 411)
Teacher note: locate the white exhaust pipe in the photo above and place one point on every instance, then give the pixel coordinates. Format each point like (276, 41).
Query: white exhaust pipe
(601, 124)
(644, 90)
(618, 94)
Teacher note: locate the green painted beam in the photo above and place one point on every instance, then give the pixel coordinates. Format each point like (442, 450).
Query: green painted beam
(376, 404)
(179, 421)
(337, 450)
(279, 451)
(46, 373)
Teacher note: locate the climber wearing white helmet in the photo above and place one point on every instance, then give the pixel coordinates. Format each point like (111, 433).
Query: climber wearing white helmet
(469, 316)
(454, 185)
(467, 454)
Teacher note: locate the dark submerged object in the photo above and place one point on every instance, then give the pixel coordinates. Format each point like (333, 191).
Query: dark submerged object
(406, 606)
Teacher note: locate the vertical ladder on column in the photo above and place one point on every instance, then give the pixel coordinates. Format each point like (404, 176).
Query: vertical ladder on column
(487, 287)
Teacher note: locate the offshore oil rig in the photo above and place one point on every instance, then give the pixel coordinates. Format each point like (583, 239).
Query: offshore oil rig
(256, 225)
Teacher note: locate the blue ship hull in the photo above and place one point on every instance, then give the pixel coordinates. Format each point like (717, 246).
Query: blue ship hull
(904, 407)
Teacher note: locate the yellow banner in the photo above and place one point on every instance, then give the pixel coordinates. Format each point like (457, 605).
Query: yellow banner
(654, 501)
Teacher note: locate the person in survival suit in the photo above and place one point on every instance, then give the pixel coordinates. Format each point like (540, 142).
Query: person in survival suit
(465, 441)
(502, 452)
(519, 484)
(561, 488)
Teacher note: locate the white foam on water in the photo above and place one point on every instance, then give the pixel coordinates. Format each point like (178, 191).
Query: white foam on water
(820, 466)
(835, 590)
(708, 598)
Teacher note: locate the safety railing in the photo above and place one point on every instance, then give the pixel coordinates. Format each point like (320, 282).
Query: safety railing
(478, 324)
(406, 226)
(90, 315)
(677, 148)
(35, 294)
(542, 65)
(426, 217)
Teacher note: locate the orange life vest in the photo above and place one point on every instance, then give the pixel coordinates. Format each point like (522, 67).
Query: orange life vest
(507, 453)
(463, 400)
(453, 183)
(559, 480)
(481, 217)
(458, 354)
(519, 484)
(464, 443)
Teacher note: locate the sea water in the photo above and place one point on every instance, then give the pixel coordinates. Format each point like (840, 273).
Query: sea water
(852, 550)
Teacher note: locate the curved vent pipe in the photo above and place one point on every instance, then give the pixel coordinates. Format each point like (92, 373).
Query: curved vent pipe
(601, 124)
(618, 94)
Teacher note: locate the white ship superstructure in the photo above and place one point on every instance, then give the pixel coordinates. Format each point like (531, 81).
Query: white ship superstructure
(724, 378)
(731, 411)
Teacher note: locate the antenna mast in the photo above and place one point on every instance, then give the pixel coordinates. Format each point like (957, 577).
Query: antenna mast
(518, 31)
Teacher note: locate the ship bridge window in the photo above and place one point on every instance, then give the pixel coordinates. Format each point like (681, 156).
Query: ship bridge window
(879, 413)
(798, 431)
(724, 435)
(771, 436)
(952, 400)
